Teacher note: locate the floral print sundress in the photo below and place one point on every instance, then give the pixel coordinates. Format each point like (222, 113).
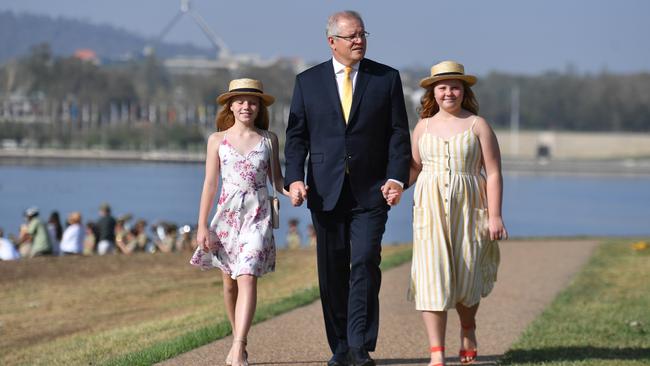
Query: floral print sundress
(241, 234)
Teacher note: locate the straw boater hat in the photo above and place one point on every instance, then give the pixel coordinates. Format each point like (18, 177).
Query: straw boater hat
(246, 87)
(446, 70)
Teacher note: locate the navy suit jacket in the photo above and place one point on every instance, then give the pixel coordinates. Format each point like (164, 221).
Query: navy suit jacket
(375, 144)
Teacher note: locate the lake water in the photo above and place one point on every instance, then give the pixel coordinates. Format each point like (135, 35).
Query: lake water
(534, 205)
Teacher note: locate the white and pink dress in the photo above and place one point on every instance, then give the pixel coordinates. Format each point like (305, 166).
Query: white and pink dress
(241, 234)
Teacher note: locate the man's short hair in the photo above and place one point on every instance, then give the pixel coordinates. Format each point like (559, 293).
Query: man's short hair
(332, 22)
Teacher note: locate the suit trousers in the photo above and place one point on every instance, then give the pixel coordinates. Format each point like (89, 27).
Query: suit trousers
(348, 256)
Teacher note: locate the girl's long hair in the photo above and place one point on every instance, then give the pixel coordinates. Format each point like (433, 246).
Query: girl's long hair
(429, 106)
(225, 118)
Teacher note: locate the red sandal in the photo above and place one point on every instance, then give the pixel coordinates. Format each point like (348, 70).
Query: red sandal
(467, 356)
(440, 349)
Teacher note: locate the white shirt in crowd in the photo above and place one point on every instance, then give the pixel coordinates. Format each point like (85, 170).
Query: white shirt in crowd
(72, 241)
(8, 251)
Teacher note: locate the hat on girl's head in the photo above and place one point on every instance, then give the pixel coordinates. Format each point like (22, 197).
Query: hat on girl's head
(446, 70)
(246, 87)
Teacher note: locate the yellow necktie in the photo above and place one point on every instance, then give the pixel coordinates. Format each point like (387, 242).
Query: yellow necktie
(346, 101)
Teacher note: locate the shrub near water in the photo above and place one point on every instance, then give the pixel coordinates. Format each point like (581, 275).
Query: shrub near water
(602, 318)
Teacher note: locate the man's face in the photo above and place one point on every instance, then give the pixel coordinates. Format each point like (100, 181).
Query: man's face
(350, 45)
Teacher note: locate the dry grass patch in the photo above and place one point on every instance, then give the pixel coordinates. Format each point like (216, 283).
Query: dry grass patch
(82, 310)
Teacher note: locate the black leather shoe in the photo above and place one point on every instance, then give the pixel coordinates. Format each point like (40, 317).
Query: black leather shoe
(360, 357)
(339, 359)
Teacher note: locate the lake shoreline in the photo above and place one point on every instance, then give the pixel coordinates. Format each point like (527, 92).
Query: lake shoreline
(534, 204)
(614, 166)
(100, 155)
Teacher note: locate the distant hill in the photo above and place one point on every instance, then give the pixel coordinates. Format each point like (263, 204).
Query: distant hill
(19, 32)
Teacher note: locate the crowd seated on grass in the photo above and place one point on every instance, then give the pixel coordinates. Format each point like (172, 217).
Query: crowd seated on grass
(125, 236)
(107, 235)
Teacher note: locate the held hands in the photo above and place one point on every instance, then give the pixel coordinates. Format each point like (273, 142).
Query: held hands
(286, 193)
(392, 192)
(298, 193)
(497, 228)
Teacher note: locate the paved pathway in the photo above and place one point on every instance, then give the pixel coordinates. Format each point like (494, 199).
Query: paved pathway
(530, 275)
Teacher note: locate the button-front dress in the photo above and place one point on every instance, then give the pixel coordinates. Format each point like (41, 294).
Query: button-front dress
(241, 234)
(454, 261)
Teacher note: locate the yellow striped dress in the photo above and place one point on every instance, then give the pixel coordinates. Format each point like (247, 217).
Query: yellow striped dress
(454, 260)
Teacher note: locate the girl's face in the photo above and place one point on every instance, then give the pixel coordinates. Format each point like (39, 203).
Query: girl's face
(449, 94)
(245, 108)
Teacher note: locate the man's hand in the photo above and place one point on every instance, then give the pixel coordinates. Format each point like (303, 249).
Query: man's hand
(392, 192)
(298, 193)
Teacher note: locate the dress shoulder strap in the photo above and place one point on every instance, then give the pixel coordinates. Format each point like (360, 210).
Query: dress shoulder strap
(471, 128)
(267, 138)
(426, 124)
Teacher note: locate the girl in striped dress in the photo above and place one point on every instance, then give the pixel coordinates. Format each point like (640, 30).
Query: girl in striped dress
(457, 209)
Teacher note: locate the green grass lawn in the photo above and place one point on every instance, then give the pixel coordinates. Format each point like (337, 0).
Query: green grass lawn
(602, 318)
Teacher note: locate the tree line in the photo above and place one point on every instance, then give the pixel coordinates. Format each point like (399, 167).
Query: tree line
(569, 101)
(77, 103)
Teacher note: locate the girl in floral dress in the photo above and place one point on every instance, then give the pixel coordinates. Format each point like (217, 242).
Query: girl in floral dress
(239, 240)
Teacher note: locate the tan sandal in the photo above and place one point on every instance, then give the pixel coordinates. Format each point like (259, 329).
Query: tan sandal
(229, 358)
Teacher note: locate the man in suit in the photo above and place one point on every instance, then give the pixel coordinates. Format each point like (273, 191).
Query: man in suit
(348, 115)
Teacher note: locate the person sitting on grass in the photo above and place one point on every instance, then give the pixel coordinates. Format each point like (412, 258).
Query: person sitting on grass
(166, 242)
(36, 234)
(8, 250)
(72, 241)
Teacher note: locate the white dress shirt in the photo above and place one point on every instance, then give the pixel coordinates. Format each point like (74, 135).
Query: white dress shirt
(339, 71)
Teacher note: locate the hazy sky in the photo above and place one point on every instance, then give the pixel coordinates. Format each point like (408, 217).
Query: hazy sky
(520, 36)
